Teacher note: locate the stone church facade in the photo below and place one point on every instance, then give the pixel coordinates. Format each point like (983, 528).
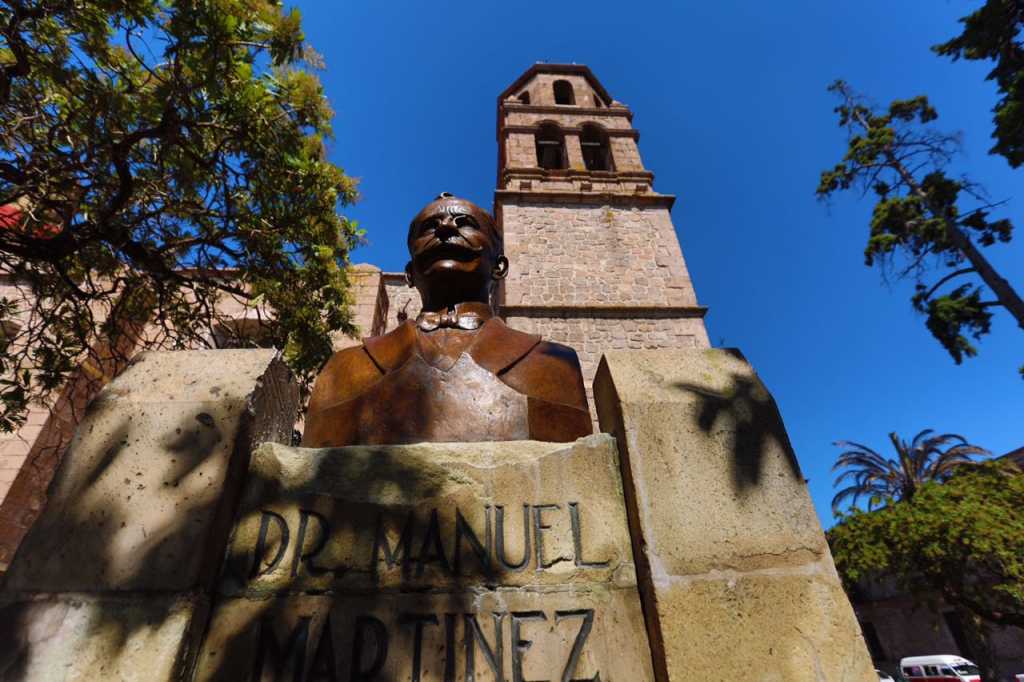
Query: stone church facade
(596, 263)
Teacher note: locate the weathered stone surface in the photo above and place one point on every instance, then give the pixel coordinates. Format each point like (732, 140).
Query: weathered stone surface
(144, 497)
(85, 638)
(733, 567)
(348, 509)
(576, 634)
(770, 627)
(590, 334)
(114, 580)
(532, 536)
(593, 254)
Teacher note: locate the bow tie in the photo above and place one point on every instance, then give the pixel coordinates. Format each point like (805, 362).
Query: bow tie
(429, 321)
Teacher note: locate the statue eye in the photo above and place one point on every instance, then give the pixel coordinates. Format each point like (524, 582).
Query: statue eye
(465, 221)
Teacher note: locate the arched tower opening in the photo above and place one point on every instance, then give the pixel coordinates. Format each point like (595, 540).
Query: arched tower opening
(551, 147)
(564, 93)
(596, 152)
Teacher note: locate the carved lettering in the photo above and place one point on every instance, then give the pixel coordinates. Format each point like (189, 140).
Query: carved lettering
(499, 540)
(417, 621)
(464, 530)
(325, 666)
(577, 646)
(486, 545)
(284, 658)
(368, 625)
(493, 656)
(577, 540)
(520, 645)
(449, 647)
(291, 657)
(306, 557)
(402, 550)
(538, 534)
(432, 549)
(268, 517)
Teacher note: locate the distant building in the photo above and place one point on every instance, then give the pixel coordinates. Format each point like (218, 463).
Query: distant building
(895, 625)
(595, 264)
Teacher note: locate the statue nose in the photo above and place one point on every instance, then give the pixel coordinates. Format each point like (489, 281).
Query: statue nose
(446, 228)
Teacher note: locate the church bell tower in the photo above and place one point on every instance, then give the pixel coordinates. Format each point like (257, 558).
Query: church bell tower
(595, 259)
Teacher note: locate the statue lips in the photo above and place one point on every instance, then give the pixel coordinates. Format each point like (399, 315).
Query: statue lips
(451, 251)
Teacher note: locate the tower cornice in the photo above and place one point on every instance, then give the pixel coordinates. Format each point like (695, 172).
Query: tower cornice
(621, 111)
(540, 67)
(585, 198)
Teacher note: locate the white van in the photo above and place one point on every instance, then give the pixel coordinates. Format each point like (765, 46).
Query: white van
(939, 669)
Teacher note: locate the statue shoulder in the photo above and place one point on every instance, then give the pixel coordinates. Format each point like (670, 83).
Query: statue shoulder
(550, 372)
(347, 374)
(351, 371)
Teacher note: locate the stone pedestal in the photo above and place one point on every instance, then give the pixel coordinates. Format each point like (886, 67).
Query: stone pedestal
(444, 561)
(736, 577)
(170, 550)
(114, 580)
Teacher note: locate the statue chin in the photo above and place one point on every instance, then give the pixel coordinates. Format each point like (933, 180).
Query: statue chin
(453, 265)
(459, 281)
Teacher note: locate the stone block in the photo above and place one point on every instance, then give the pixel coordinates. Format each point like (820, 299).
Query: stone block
(584, 633)
(513, 555)
(732, 563)
(431, 516)
(83, 638)
(767, 627)
(144, 498)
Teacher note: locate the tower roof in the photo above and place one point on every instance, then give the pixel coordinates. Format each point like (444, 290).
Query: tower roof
(541, 67)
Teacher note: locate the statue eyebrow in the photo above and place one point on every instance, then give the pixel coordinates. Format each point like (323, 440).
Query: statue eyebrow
(453, 211)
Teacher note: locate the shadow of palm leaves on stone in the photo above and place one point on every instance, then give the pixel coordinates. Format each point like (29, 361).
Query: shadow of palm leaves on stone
(139, 591)
(276, 615)
(322, 618)
(115, 573)
(746, 410)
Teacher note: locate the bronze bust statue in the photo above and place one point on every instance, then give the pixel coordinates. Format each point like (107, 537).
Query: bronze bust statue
(456, 372)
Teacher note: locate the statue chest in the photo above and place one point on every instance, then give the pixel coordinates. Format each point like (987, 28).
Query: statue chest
(422, 402)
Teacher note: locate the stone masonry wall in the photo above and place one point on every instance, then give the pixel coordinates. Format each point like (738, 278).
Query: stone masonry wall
(369, 305)
(521, 150)
(14, 447)
(593, 255)
(626, 154)
(591, 335)
(400, 297)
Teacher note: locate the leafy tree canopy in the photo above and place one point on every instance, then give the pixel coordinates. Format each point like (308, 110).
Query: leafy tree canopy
(963, 539)
(924, 220)
(155, 157)
(993, 33)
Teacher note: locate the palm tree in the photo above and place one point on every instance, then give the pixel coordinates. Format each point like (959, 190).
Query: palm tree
(925, 458)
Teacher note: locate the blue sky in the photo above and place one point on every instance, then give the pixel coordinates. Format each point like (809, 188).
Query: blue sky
(735, 120)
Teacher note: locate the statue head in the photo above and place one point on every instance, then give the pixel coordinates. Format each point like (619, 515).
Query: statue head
(456, 253)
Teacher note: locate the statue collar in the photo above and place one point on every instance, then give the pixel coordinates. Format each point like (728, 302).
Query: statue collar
(495, 346)
(471, 315)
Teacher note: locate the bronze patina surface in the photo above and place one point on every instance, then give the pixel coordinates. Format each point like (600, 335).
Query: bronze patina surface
(456, 373)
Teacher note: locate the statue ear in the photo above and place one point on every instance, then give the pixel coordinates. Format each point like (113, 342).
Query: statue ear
(500, 268)
(408, 274)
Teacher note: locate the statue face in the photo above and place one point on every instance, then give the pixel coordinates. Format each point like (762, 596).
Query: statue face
(454, 244)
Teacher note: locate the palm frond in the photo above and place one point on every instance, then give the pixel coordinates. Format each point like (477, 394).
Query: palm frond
(925, 458)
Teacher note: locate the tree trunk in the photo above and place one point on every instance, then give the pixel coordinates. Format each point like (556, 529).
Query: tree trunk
(999, 286)
(1005, 294)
